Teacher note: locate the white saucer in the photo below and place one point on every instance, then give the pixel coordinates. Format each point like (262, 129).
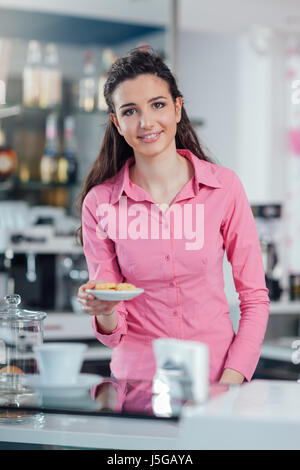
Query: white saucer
(83, 384)
(114, 294)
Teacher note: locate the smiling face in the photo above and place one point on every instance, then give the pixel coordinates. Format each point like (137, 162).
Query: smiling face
(146, 115)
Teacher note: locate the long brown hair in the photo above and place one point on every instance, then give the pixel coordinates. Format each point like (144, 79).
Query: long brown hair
(114, 150)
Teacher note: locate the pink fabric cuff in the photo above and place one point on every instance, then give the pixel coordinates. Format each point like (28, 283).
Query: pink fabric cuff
(111, 339)
(243, 360)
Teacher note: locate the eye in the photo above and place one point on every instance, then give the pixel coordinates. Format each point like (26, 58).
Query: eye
(159, 105)
(129, 112)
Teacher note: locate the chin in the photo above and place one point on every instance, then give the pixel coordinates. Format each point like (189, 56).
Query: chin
(154, 149)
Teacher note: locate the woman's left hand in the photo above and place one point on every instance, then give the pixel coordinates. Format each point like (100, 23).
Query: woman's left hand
(231, 376)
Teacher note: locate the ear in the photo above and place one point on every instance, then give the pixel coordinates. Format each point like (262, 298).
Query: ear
(178, 108)
(114, 119)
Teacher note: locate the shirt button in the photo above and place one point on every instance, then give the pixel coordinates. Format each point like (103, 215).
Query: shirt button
(167, 257)
(175, 313)
(172, 284)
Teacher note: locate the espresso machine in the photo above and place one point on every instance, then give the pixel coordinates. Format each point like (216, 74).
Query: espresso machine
(42, 259)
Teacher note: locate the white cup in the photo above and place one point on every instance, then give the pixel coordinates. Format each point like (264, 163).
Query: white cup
(59, 362)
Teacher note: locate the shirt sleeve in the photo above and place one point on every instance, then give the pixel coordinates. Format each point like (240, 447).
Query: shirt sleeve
(102, 264)
(244, 253)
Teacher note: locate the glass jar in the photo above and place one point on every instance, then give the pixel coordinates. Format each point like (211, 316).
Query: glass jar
(20, 331)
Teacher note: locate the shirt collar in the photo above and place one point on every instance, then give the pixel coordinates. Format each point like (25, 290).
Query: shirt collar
(204, 171)
(204, 175)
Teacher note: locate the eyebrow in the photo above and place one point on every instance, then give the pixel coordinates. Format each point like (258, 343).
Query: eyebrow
(149, 101)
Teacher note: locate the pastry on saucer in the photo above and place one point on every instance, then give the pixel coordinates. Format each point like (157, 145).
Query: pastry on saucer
(106, 286)
(125, 286)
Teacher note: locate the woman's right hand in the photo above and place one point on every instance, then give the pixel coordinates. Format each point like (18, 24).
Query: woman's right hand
(92, 305)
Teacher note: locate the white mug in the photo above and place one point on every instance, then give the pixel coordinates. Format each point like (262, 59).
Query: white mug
(60, 362)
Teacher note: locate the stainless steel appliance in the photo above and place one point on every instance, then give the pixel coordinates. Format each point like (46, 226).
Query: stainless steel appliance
(42, 259)
(46, 280)
(268, 222)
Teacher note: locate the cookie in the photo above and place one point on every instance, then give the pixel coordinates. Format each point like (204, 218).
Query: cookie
(106, 286)
(125, 286)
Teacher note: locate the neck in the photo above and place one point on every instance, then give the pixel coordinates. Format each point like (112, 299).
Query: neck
(160, 172)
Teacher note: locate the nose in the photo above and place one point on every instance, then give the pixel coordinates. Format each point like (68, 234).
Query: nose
(146, 121)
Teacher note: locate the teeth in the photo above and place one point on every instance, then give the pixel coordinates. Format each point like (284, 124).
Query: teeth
(150, 136)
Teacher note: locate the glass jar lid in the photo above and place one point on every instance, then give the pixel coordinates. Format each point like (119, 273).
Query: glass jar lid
(10, 311)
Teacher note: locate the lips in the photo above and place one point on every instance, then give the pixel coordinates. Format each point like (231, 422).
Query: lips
(149, 138)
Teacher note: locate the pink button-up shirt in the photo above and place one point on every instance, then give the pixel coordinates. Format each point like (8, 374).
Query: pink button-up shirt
(176, 256)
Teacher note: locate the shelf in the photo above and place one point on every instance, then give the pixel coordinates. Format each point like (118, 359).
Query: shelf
(50, 27)
(281, 349)
(6, 185)
(12, 185)
(46, 111)
(9, 110)
(59, 245)
(39, 185)
(61, 110)
(285, 307)
(14, 109)
(276, 352)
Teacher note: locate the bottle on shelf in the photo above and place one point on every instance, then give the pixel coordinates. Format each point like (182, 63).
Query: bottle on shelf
(102, 106)
(49, 160)
(24, 172)
(8, 159)
(294, 286)
(87, 85)
(108, 57)
(67, 163)
(51, 79)
(32, 75)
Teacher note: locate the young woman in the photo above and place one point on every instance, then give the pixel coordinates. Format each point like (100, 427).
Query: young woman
(157, 213)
